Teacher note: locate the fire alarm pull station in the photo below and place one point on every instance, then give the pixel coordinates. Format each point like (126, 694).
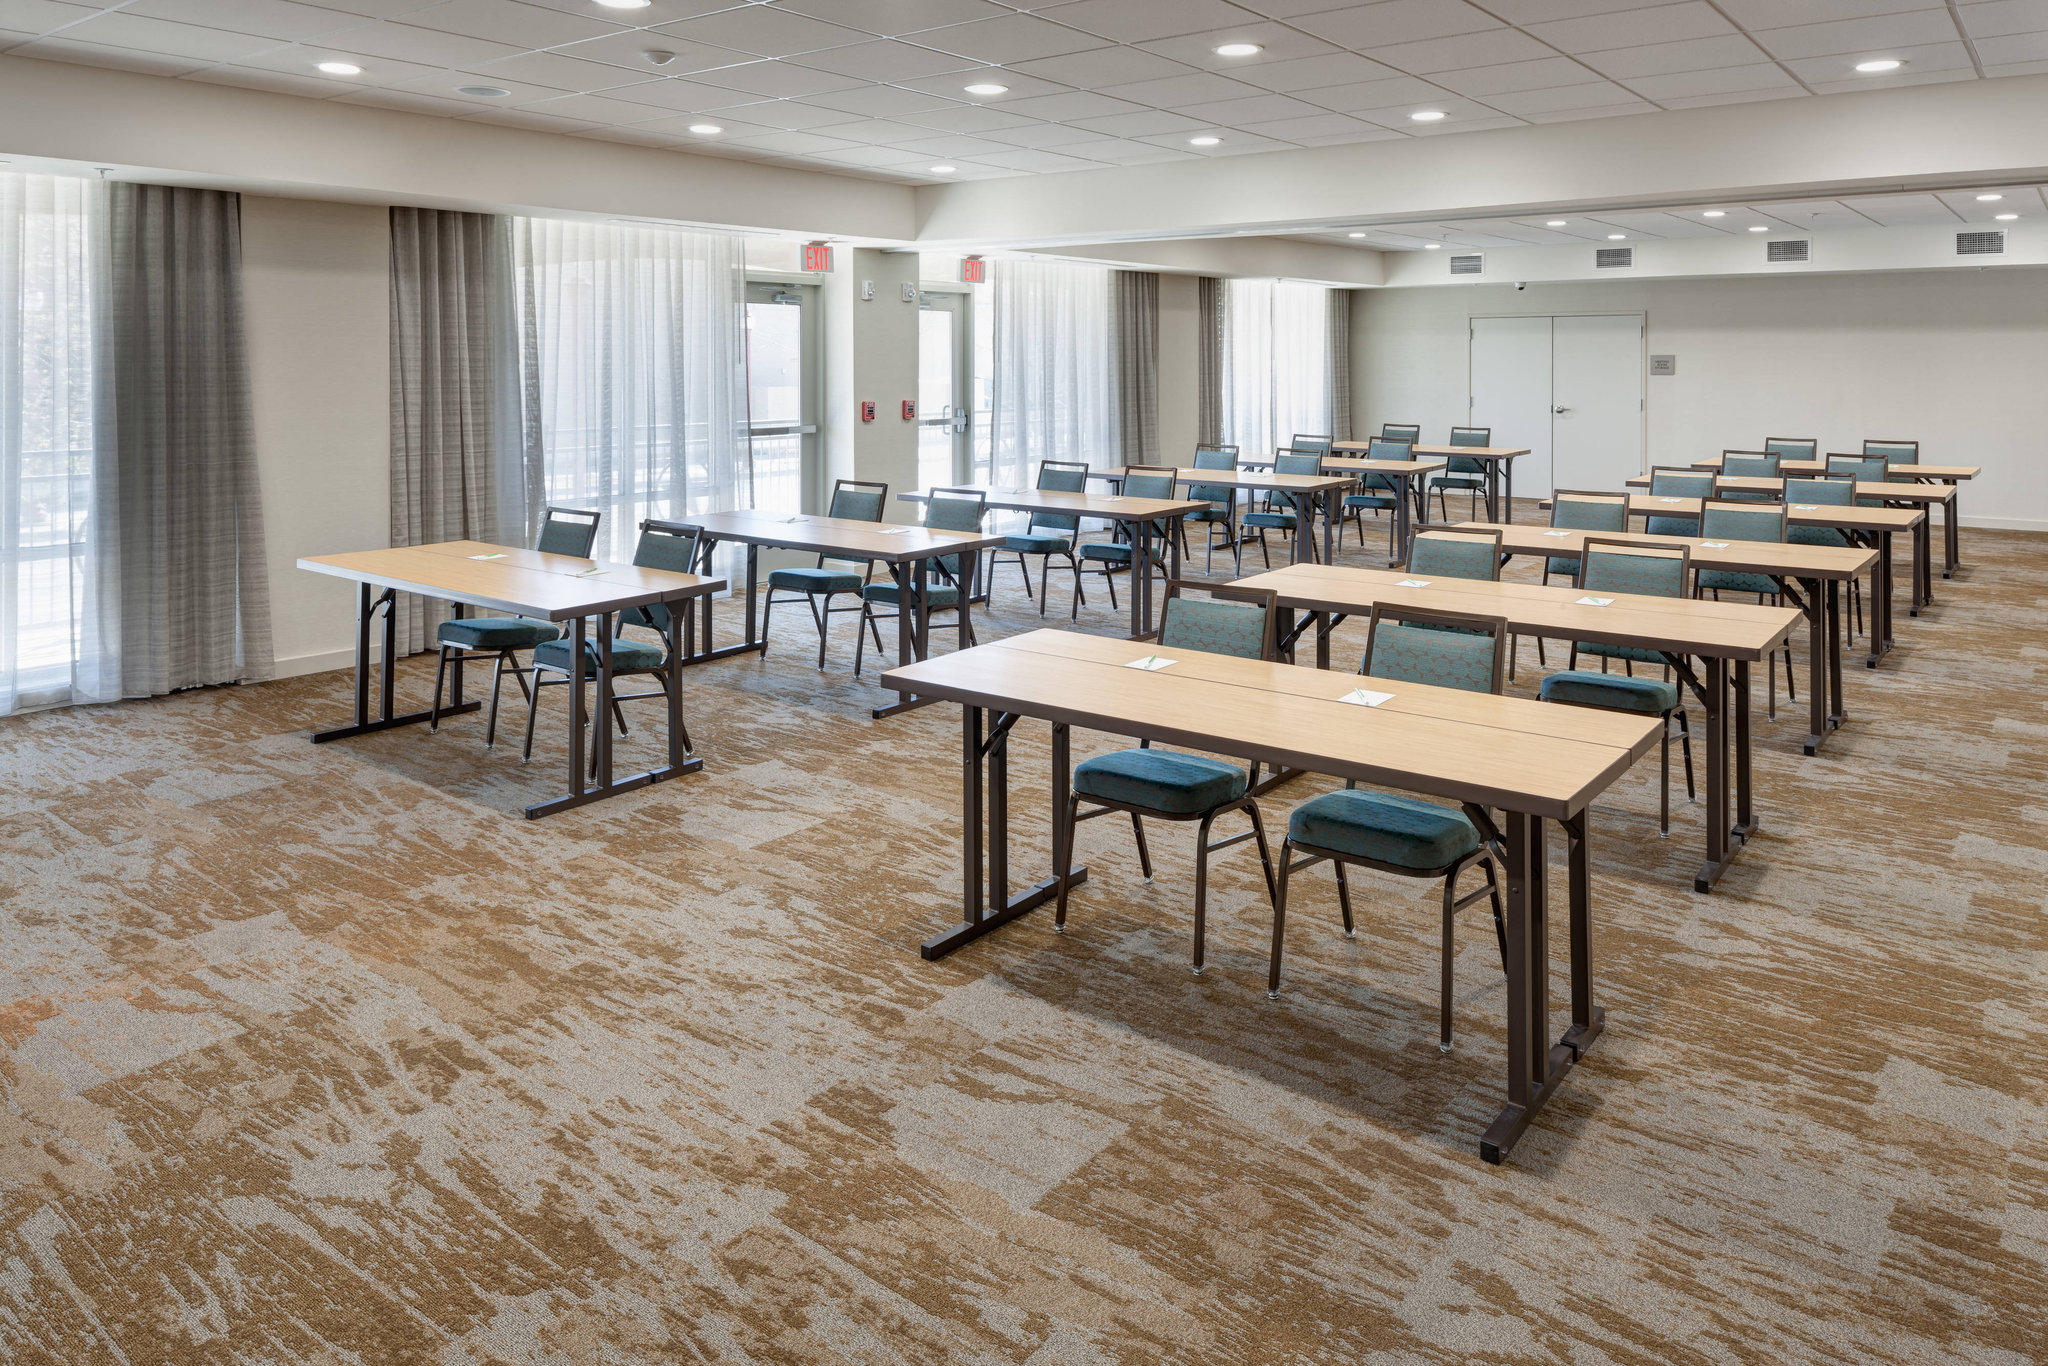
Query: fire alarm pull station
(867, 410)
(910, 410)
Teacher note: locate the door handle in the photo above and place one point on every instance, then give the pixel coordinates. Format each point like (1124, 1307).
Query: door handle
(1560, 410)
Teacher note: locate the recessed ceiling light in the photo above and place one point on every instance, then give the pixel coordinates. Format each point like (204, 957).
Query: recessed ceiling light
(1204, 141)
(1432, 246)
(1555, 223)
(340, 68)
(1989, 198)
(483, 92)
(987, 88)
(625, 4)
(1354, 234)
(1714, 213)
(1617, 237)
(1238, 50)
(1427, 115)
(1879, 65)
(1759, 227)
(705, 130)
(944, 170)
(2005, 217)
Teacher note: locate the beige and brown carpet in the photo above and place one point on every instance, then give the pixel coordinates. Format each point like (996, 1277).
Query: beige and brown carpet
(326, 1055)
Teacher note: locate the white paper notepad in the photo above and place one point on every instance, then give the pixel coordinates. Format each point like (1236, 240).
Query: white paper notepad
(494, 555)
(1595, 602)
(1150, 664)
(1366, 697)
(1413, 583)
(1714, 545)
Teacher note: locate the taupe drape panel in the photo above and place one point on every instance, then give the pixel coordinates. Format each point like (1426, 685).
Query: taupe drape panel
(1340, 364)
(176, 436)
(459, 469)
(1134, 363)
(1209, 371)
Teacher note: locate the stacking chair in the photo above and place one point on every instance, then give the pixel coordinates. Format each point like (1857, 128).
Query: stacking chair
(1288, 517)
(1748, 465)
(1048, 533)
(1222, 501)
(1747, 522)
(1305, 443)
(1792, 447)
(1614, 566)
(1894, 452)
(1403, 835)
(1671, 482)
(661, 546)
(1575, 510)
(1170, 786)
(1407, 432)
(1827, 492)
(1109, 558)
(944, 510)
(1464, 473)
(1863, 469)
(1379, 492)
(856, 500)
(563, 531)
(1447, 554)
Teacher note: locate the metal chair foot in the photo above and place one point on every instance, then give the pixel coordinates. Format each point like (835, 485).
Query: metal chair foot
(1442, 1046)
(1198, 970)
(1272, 995)
(1059, 929)
(1351, 934)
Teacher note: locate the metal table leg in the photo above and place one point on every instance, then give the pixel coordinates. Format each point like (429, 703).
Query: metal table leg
(369, 602)
(1536, 1066)
(1816, 663)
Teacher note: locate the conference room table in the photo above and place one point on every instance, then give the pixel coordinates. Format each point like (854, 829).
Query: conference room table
(1306, 492)
(524, 583)
(1498, 463)
(1536, 763)
(1818, 570)
(1726, 637)
(906, 551)
(1411, 484)
(1137, 518)
(1898, 472)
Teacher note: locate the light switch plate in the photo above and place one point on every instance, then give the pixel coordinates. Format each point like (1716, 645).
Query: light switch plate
(909, 293)
(867, 289)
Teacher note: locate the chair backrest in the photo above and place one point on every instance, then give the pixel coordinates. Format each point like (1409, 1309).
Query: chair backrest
(1456, 554)
(1149, 484)
(1894, 452)
(567, 531)
(1215, 458)
(1401, 431)
(1060, 476)
(1742, 521)
(1792, 447)
(954, 509)
(1217, 626)
(1725, 487)
(858, 500)
(1826, 492)
(1389, 448)
(1615, 566)
(1321, 445)
(662, 545)
(1407, 645)
(1863, 469)
(1471, 436)
(1581, 510)
(1298, 461)
(1667, 481)
(1751, 464)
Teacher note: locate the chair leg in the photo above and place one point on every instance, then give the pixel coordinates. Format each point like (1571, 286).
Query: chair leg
(532, 710)
(1664, 779)
(497, 686)
(1202, 887)
(1344, 899)
(1265, 853)
(1263, 551)
(1144, 854)
(1685, 746)
(824, 623)
(1443, 1015)
(440, 678)
(768, 622)
(1069, 812)
(1279, 921)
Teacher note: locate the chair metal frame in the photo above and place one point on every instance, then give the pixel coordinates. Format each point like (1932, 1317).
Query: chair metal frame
(822, 620)
(1168, 527)
(970, 566)
(1477, 472)
(1073, 540)
(1557, 496)
(1365, 487)
(1230, 530)
(1771, 664)
(1293, 509)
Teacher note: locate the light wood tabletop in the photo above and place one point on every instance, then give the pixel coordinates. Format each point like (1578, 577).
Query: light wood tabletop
(1842, 516)
(1262, 480)
(1753, 557)
(510, 579)
(1110, 505)
(1470, 452)
(1360, 465)
(1900, 470)
(1890, 491)
(850, 537)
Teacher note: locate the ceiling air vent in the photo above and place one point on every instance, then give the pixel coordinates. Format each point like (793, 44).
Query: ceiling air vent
(1799, 249)
(1613, 258)
(1465, 265)
(1990, 243)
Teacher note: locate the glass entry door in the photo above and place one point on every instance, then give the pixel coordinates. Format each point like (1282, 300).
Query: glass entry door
(782, 413)
(942, 383)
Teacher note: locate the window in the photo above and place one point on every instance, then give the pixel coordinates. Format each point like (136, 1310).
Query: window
(781, 417)
(1048, 368)
(1276, 364)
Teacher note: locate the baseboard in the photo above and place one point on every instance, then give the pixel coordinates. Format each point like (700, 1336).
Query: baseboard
(2005, 523)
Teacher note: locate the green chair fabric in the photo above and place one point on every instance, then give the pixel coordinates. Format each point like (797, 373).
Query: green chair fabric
(1218, 495)
(1217, 627)
(1752, 466)
(1869, 469)
(1160, 780)
(806, 580)
(1611, 569)
(1384, 828)
(657, 549)
(1408, 433)
(1109, 552)
(1789, 449)
(497, 633)
(940, 594)
(1613, 692)
(1894, 452)
(1583, 514)
(857, 504)
(1741, 524)
(1678, 484)
(569, 535)
(1824, 493)
(1035, 542)
(1417, 652)
(627, 654)
(1454, 557)
(1471, 436)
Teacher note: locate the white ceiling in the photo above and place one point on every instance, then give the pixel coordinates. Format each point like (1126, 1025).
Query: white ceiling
(875, 87)
(1779, 217)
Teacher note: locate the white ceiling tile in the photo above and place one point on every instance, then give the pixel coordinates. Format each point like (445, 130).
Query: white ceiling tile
(1276, 43)
(1859, 35)
(1139, 124)
(1473, 125)
(1047, 135)
(1590, 95)
(1731, 97)
(678, 126)
(764, 31)
(596, 108)
(1074, 104)
(2000, 18)
(791, 114)
(1139, 21)
(954, 84)
(1313, 73)
(1338, 126)
(778, 78)
(64, 49)
(1026, 159)
(1463, 113)
(1996, 69)
(277, 82)
(1471, 49)
(1930, 61)
(877, 130)
(1908, 210)
(894, 18)
(1374, 94)
(1104, 66)
(1543, 72)
(1762, 14)
(1659, 59)
(406, 102)
(872, 156)
(969, 118)
(372, 9)
(1719, 80)
(671, 92)
(954, 144)
(278, 19)
(1179, 90)
(886, 101)
(507, 21)
(1234, 144)
(1371, 134)
(40, 16)
(551, 69)
(1856, 85)
(1011, 38)
(163, 38)
(629, 49)
(304, 60)
(1604, 111)
(794, 144)
(425, 45)
(2019, 47)
(1134, 153)
(447, 84)
(1289, 9)
(1362, 27)
(520, 118)
(1543, 11)
(885, 60)
(1635, 28)
(1257, 109)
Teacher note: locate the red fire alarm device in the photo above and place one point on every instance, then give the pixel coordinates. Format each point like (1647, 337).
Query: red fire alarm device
(910, 410)
(867, 410)
(818, 256)
(973, 271)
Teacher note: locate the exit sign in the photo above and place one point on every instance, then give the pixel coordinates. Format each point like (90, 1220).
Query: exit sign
(818, 257)
(973, 271)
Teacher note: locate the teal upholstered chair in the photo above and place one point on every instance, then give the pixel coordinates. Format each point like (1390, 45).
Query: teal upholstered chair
(853, 500)
(1747, 522)
(1285, 518)
(563, 531)
(949, 582)
(1574, 510)
(1894, 452)
(1463, 473)
(1180, 787)
(1792, 447)
(1048, 534)
(1748, 465)
(1304, 443)
(1446, 554)
(662, 545)
(1861, 469)
(1829, 492)
(1408, 433)
(1110, 558)
(1651, 571)
(1670, 482)
(1396, 834)
(1222, 501)
(1378, 493)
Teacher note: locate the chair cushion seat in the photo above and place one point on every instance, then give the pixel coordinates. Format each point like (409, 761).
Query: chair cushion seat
(1633, 653)
(941, 594)
(1209, 514)
(815, 580)
(1559, 565)
(1099, 550)
(1615, 692)
(1458, 481)
(1285, 520)
(1160, 780)
(497, 633)
(1386, 829)
(627, 655)
(1368, 500)
(1036, 543)
(1732, 581)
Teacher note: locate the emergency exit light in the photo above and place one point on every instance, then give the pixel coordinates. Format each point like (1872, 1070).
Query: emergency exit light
(818, 256)
(973, 271)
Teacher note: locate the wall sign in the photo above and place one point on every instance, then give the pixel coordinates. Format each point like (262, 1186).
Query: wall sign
(818, 256)
(1663, 365)
(973, 271)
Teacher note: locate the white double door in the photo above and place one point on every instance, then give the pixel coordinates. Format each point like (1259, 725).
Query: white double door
(1568, 387)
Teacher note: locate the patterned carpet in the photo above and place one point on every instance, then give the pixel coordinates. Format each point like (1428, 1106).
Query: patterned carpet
(323, 1054)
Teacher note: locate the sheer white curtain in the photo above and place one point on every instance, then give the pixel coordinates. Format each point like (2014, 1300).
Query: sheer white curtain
(58, 639)
(1049, 364)
(633, 364)
(1275, 364)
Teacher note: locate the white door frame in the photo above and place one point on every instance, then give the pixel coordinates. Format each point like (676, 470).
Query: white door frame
(1643, 359)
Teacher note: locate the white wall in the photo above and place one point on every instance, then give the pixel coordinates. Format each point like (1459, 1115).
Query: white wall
(1953, 359)
(316, 294)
